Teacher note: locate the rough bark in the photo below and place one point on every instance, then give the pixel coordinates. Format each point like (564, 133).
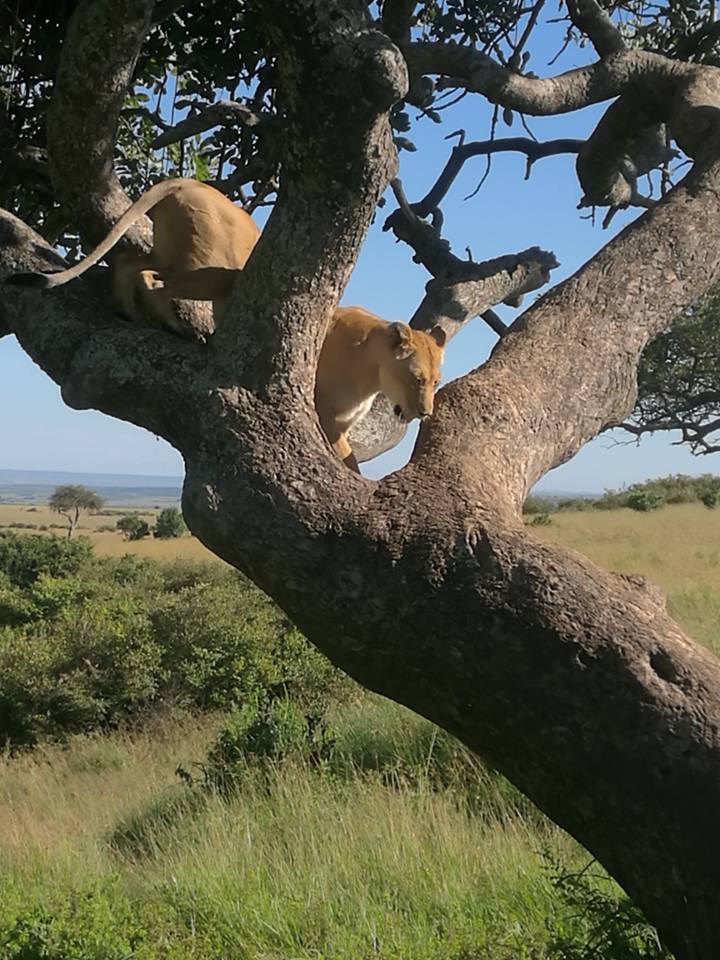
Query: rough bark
(99, 55)
(426, 586)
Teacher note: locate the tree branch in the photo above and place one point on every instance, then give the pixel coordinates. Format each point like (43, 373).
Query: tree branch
(532, 149)
(462, 289)
(139, 375)
(618, 73)
(222, 113)
(337, 160)
(99, 53)
(590, 18)
(569, 373)
(397, 19)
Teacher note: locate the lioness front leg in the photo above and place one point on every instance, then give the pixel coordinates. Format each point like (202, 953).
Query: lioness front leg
(343, 450)
(126, 279)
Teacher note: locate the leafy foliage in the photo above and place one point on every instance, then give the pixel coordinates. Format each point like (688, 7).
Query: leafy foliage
(24, 558)
(679, 379)
(647, 495)
(133, 527)
(170, 524)
(92, 642)
(644, 500)
(601, 921)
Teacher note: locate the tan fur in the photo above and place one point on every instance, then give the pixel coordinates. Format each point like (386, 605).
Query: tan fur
(363, 356)
(197, 231)
(201, 240)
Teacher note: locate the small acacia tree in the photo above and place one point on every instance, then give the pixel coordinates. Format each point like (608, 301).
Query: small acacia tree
(70, 499)
(425, 586)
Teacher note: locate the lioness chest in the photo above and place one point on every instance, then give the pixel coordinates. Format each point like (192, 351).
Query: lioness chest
(347, 378)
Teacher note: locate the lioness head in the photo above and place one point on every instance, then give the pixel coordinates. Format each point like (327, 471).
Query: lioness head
(412, 371)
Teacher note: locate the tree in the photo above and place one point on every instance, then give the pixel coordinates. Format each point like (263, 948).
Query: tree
(424, 586)
(679, 379)
(169, 524)
(70, 498)
(133, 527)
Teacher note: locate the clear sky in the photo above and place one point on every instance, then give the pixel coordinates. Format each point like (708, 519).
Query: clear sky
(508, 214)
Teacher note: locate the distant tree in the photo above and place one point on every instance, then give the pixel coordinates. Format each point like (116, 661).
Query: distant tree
(169, 524)
(69, 499)
(679, 379)
(133, 527)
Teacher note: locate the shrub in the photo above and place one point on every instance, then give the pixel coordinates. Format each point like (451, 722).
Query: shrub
(85, 669)
(24, 558)
(644, 500)
(170, 524)
(599, 921)
(540, 520)
(262, 729)
(535, 504)
(96, 646)
(133, 527)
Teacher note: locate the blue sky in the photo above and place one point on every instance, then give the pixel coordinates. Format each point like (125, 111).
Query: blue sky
(507, 215)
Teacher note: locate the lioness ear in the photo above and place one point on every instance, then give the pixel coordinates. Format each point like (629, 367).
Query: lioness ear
(401, 340)
(439, 336)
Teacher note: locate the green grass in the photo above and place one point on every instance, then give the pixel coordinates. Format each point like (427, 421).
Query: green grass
(678, 547)
(400, 847)
(295, 864)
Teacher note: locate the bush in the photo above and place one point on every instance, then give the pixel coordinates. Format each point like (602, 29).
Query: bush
(644, 500)
(676, 488)
(24, 558)
(133, 527)
(540, 520)
(535, 504)
(710, 498)
(95, 647)
(170, 524)
(599, 921)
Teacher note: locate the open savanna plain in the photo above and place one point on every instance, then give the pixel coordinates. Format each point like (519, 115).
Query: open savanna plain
(336, 827)
(38, 518)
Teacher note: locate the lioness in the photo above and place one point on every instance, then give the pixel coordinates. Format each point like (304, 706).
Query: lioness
(194, 227)
(200, 242)
(362, 356)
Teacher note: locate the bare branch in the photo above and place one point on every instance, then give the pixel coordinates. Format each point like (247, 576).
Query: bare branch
(532, 149)
(462, 289)
(516, 58)
(660, 265)
(223, 113)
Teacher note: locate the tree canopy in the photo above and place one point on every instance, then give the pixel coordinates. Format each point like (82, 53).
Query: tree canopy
(70, 499)
(425, 586)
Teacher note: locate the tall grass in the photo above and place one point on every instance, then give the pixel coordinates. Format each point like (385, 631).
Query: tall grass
(677, 547)
(296, 863)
